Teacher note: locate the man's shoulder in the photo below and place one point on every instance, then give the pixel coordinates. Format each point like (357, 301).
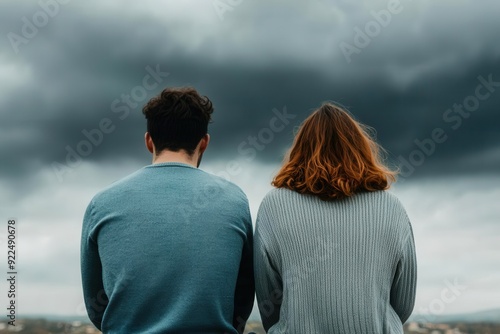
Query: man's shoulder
(206, 182)
(224, 186)
(117, 187)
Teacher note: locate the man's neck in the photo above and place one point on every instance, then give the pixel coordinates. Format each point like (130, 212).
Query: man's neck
(181, 156)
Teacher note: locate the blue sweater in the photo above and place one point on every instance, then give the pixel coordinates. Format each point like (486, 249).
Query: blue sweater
(345, 266)
(168, 249)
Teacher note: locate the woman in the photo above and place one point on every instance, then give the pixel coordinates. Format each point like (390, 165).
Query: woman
(334, 252)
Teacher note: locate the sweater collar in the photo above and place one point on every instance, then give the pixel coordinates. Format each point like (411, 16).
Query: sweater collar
(171, 164)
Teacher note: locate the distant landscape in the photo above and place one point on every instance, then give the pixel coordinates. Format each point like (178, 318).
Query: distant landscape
(486, 322)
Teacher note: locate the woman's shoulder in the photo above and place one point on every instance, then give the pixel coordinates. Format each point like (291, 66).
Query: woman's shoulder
(278, 198)
(277, 193)
(391, 206)
(384, 200)
(381, 196)
(280, 195)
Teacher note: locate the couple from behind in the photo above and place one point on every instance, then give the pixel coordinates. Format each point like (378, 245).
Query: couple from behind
(170, 248)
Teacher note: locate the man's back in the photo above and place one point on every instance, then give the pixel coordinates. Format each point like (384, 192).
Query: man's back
(174, 244)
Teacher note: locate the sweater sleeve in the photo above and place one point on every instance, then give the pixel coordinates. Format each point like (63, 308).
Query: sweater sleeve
(94, 295)
(268, 282)
(245, 286)
(405, 279)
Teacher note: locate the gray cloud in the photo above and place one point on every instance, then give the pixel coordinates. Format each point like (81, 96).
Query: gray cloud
(260, 58)
(78, 67)
(401, 84)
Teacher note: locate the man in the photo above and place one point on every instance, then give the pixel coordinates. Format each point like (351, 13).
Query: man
(168, 249)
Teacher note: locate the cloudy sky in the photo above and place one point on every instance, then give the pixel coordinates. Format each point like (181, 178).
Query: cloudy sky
(426, 75)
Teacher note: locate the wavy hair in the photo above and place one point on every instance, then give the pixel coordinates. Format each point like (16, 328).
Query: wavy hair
(333, 156)
(178, 118)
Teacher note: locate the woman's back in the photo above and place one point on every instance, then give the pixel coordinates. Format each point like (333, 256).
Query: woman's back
(338, 266)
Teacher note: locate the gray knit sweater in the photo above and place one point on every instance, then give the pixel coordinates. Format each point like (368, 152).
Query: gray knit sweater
(346, 266)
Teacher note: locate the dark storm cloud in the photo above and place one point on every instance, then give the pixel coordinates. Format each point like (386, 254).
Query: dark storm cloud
(261, 58)
(402, 84)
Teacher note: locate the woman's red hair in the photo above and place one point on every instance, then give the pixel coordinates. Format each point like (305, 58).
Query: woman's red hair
(333, 156)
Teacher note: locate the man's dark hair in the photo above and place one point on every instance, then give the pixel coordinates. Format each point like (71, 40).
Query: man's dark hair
(177, 119)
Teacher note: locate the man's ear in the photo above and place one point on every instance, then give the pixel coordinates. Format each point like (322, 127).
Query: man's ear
(204, 143)
(149, 143)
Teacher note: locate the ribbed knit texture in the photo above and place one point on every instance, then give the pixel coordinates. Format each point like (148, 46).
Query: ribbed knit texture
(345, 266)
(170, 246)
